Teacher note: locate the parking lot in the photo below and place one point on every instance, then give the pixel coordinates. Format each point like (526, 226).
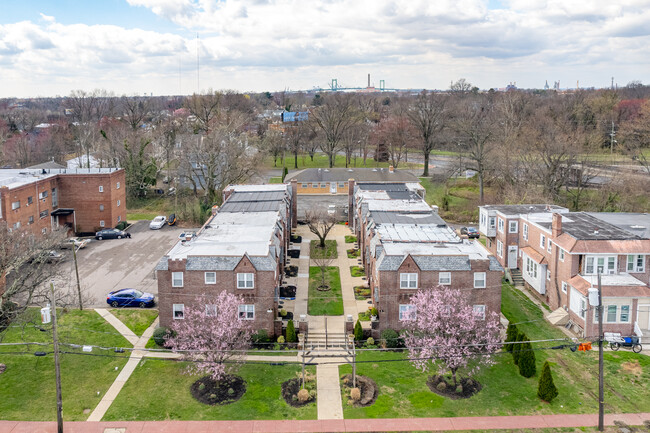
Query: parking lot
(114, 264)
(306, 201)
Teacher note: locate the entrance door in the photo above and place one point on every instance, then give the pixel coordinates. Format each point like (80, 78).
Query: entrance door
(512, 256)
(333, 189)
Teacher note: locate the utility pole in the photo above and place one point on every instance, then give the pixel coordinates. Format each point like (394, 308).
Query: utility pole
(76, 271)
(57, 366)
(612, 135)
(601, 387)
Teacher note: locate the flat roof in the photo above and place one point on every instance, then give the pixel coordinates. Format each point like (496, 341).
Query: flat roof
(14, 178)
(426, 233)
(584, 226)
(520, 209)
(406, 217)
(635, 223)
(358, 174)
(468, 249)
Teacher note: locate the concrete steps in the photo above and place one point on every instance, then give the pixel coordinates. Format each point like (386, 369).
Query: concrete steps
(517, 279)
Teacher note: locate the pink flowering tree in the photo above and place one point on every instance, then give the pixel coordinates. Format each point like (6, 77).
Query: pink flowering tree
(444, 331)
(211, 335)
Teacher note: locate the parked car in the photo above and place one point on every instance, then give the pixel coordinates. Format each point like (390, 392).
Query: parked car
(47, 257)
(172, 219)
(76, 242)
(331, 209)
(111, 234)
(130, 298)
(158, 222)
(471, 232)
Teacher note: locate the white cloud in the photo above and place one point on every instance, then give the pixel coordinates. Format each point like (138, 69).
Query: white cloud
(272, 44)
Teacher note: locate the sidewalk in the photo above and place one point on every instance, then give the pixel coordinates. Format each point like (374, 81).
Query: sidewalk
(334, 425)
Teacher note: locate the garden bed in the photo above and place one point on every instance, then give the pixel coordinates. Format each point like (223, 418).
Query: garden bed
(366, 385)
(291, 271)
(353, 253)
(350, 239)
(357, 271)
(288, 291)
(466, 387)
(290, 390)
(361, 293)
(228, 390)
(294, 254)
(296, 239)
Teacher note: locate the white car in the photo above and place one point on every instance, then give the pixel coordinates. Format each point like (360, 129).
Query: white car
(76, 242)
(158, 222)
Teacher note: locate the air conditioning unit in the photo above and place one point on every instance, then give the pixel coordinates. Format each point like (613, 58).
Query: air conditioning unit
(611, 271)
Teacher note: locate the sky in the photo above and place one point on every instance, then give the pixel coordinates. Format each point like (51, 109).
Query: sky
(136, 47)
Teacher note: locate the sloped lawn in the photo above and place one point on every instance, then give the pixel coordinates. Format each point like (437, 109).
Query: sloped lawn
(137, 320)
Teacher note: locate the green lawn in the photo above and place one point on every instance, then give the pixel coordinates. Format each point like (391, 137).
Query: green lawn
(329, 251)
(357, 271)
(275, 180)
(461, 195)
(136, 320)
(350, 239)
(167, 395)
(322, 161)
(404, 393)
(329, 303)
(139, 216)
(27, 389)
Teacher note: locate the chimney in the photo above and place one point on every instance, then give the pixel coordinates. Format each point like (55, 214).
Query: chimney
(391, 169)
(556, 225)
(215, 209)
(350, 202)
(294, 203)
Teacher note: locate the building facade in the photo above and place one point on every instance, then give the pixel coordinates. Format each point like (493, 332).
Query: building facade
(336, 180)
(84, 200)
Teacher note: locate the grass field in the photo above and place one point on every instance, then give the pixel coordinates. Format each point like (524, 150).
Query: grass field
(329, 303)
(136, 320)
(462, 199)
(27, 389)
(329, 251)
(167, 395)
(321, 161)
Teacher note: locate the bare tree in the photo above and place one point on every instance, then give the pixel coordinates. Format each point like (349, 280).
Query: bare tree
(460, 87)
(428, 116)
(273, 144)
(636, 137)
(334, 118)
(88, 108)
(395, 133)
(205, 108)
(320, 222)
(135, 110)
(295, 136)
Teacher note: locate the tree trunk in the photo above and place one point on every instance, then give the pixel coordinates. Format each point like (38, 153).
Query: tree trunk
(480, 186)
(295, 160)
(426, 164)
(332, 155)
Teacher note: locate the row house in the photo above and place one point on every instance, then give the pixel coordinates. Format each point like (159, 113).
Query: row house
(405, 246)
(240, 249)
(336, 180)
(561, 253)
(83, 199)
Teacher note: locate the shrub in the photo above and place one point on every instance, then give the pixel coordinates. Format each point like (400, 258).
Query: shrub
(374, 312)
(122, 225)
(527, 366)
(260, 336)
(281, 339)
(312, 393)
(285, 171)
(213, 396)
(459, 389)
(346, 381)
(511, 335)
(283, 312)
(355, 394)
(303, 395)
(370, 341)
(291, 333)
(516, 348)
(160, 334)
(358, 332)
(390, 337)
(231, 391)
(201, 386)
(546, 389)
(441, 386)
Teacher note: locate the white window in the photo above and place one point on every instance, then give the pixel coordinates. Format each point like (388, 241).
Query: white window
(247, 312)
(210, 278)
(42, 195)
(119, 218)
(44, 231)
(341, 184)
(407, 312)
(636, 263)
(30, 200)
(117, 186)
(548, 275)
(525, 231)
(15, 205)
(625, 314)
(408, 281)
(479, 312)
(101, 188)
(444, 278)
(245, 281)
(564, 285)
(549, 246)
(30, 220)
(500, 224)
(531, 267)
(178, 311)
(611, 313)
(479, 280)
(101, 223)
(44, 213)
(602, 264)
(303, 185)
(101, 208)
(561, 255)
(177, 279)
(492, 222)
(542, 241)
(17, 225)
(211, 310)
(499, 248)
(513, 227)
(119, 203)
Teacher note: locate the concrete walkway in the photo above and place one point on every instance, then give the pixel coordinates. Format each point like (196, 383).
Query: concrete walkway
(127, 370)
(328, 398)
(493, 423)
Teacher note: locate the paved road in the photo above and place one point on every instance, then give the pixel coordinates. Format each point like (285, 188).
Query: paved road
(119, 263)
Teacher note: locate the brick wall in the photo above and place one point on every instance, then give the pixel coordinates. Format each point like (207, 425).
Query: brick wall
(33, 210)
(315, 188)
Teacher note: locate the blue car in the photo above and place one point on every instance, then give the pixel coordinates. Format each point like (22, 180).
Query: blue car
(130, 298)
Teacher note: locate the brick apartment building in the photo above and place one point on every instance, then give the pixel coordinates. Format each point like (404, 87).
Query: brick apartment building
(335, 180)
(405, 246)
(241, 249)
(560, 254)
(84, 200)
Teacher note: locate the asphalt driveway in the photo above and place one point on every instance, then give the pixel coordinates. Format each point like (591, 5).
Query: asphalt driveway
(114, 264)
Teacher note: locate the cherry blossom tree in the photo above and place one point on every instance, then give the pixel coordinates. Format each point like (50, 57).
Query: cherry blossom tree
(212, 335)
(445, 332)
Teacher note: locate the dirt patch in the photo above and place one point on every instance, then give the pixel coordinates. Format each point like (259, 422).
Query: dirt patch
(324, 288)
(632, 367)
(366, 385)
(387, 390)
(226, 391)
(466, 388)
(290, 390)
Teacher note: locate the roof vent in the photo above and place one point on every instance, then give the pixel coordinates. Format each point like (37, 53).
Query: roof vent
(374, 169)
(595, 231)
(326, 171)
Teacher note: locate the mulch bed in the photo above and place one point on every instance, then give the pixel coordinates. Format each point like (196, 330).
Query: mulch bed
(366, 385)
(227, 390)
(469, 387)
(291, 388)
(291, 271)
(324, 288)
(288, 316)
(294, 254)
(288, 291)
(296, 239)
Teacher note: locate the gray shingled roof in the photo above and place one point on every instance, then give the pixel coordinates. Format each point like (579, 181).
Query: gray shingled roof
(519, 209)
(495, 265)
(163, 264)
(389, 263)
(583, 226)
(227, 263)
(443, 263)
(383, 217)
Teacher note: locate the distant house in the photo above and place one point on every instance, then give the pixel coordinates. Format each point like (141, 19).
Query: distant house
(81, 161)
(561, 253)
(335, 180)
(46, 165)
